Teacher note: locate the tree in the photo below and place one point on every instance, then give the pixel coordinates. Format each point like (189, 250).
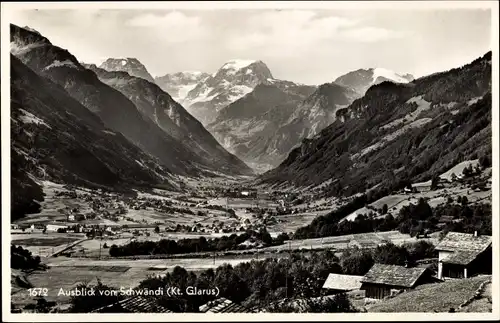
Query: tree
(102, 295)
(356, 262)
(230, 284)
(464, 200)
(384, 209)
(157, 229)
(390, 254)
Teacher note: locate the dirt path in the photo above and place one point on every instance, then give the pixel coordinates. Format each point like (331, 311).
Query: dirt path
(481, 305)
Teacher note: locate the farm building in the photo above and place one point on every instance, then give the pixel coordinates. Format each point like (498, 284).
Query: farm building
(223, 305)
(422, 187)
(386, 280)
(338, 283)
(462, 255)
(135, 304)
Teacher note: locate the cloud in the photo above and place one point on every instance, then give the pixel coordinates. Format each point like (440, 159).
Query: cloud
(297, 32)
(371, 34)
(174, 26)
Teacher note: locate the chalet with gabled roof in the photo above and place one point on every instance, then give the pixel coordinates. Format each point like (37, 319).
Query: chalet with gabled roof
(463, 255)
(385, 280)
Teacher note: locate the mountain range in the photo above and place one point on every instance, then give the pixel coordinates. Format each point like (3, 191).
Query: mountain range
(397, 134)
(116, 126)
(253, 115)
(76, 128)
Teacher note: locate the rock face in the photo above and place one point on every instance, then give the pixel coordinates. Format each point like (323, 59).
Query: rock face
(158, 107)
(130, 65)
(118, 113)
(362, 79)
(232, 81)
(398, 133)
(262, 127)
(179, 84)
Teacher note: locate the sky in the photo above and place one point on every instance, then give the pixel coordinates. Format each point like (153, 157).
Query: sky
(302, 45)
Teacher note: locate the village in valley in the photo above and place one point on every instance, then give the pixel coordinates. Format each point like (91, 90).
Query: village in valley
(82, 235)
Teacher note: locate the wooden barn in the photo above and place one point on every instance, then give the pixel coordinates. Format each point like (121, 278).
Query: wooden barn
(386, 280)
(463, 255)
(337, 283)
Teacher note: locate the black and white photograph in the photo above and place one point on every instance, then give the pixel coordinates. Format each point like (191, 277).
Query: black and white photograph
(251, 159)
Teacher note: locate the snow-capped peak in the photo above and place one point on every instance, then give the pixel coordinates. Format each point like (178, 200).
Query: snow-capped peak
(388, 74)
(237, 64)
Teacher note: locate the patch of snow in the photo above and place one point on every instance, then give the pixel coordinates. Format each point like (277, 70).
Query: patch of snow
(28, 117)
(124, 62)
(57, 63)
(237, 64)
(388, 74)
(184, 90)
(109, 132)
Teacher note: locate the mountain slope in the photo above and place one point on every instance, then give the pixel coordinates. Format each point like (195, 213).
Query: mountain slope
(55, 137)
(179, 84)
(245, 124)
(232, 81)
(398, 133)
(361, 80)
(130, 65)
(168, 115)
(114, 109)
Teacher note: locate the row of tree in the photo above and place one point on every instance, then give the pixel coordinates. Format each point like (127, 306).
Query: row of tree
(262, 283)
(224, 243)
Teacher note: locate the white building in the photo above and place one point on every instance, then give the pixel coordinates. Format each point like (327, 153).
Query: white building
(55, 227)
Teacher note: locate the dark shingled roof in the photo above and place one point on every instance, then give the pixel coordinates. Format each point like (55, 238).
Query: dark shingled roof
(135, 304)
(461, 257)
(223, 305)
(393, 275)
(454, 241)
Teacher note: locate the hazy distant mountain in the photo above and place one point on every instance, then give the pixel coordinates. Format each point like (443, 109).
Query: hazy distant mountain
(129, 65)
(179, 84)
(362, 79)
(398, 133)
(231, 82)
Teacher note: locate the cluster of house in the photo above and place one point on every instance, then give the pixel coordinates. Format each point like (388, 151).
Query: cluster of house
(461, 255)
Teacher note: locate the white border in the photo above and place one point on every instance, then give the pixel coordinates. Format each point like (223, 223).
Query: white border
(205, 5)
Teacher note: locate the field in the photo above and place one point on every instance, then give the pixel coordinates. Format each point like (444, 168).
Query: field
(439, 297)
(43, 244)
